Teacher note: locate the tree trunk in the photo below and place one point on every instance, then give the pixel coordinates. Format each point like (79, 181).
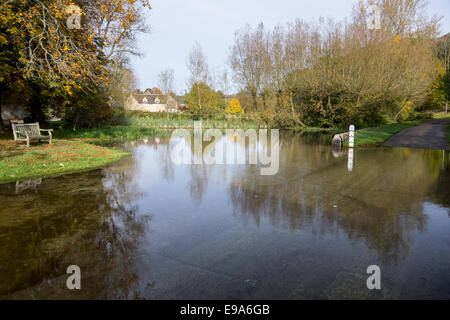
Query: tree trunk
(446, 107)
(291, 100)
(293, 113)
(329, 105)
(255, 102)
(404, 106)
(76, 121)
(199, 98)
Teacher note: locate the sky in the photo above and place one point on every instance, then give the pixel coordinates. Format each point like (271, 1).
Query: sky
(176, 25)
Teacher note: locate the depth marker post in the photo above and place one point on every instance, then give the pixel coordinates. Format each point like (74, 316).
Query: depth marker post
(351, 137)
(351, 144)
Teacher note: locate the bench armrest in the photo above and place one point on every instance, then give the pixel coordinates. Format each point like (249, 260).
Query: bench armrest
(49, 130)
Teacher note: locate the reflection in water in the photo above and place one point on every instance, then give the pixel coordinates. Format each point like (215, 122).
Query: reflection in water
(350, 159)
(73, 219)
(380, 202)
(27, 184)
(146, 228)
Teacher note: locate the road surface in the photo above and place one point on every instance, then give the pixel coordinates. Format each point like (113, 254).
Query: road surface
(428, 135)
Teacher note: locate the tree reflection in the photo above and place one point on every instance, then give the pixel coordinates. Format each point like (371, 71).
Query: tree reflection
(93, 219)
(73, 219)
(441, 191)
(380, 202)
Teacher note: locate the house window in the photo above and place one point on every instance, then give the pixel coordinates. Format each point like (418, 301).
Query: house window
(157, 101)
(144, 100)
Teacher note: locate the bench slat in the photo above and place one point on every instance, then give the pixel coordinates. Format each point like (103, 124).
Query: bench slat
(29, 131)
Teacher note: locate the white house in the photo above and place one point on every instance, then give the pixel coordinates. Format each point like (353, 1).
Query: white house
(151, 102)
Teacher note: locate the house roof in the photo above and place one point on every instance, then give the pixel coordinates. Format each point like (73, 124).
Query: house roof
(151, 98)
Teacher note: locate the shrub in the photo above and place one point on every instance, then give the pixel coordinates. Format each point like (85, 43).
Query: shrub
(234, 107)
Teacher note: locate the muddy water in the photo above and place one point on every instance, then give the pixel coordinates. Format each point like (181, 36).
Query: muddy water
(145, 228)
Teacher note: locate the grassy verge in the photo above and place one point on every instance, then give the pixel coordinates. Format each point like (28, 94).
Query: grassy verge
(45, 160)
(378, 135)
(441, 115)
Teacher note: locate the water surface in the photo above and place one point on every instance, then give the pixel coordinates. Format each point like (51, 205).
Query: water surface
(145, 228)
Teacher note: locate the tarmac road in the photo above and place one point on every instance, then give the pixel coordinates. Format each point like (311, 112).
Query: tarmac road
(428, 135)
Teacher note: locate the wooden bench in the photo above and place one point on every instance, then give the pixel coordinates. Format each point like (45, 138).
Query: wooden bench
(29, 132)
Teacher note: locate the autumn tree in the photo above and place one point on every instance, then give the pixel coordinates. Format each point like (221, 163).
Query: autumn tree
(336, 73)
(204, 107)
(44, 53)
(166, 79)
(234, 107)
(115, 24)
(199, 75)
(443, 53)
(248, 59)
(123, 83)
(224, 82)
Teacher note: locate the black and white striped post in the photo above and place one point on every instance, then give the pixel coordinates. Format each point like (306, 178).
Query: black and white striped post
(351, 144)
(351, 137)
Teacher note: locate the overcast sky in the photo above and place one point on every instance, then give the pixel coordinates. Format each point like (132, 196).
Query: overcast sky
(177, 24)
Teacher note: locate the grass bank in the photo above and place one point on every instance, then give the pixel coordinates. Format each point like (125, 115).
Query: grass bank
(43, 160)
(377, 135)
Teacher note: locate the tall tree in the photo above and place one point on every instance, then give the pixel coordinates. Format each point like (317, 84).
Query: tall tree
(248, 59)
(224, 82)
(166, 83)
(443, 53)
(199, 71)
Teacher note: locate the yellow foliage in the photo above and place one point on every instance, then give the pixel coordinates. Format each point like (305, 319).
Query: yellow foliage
(234, 107)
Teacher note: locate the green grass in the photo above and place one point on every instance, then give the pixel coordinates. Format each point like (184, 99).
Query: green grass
(43, 160)
(142, 127)
(112, 133)
(441, 115)
(378, 135)
(145, 127)
(167, 123)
